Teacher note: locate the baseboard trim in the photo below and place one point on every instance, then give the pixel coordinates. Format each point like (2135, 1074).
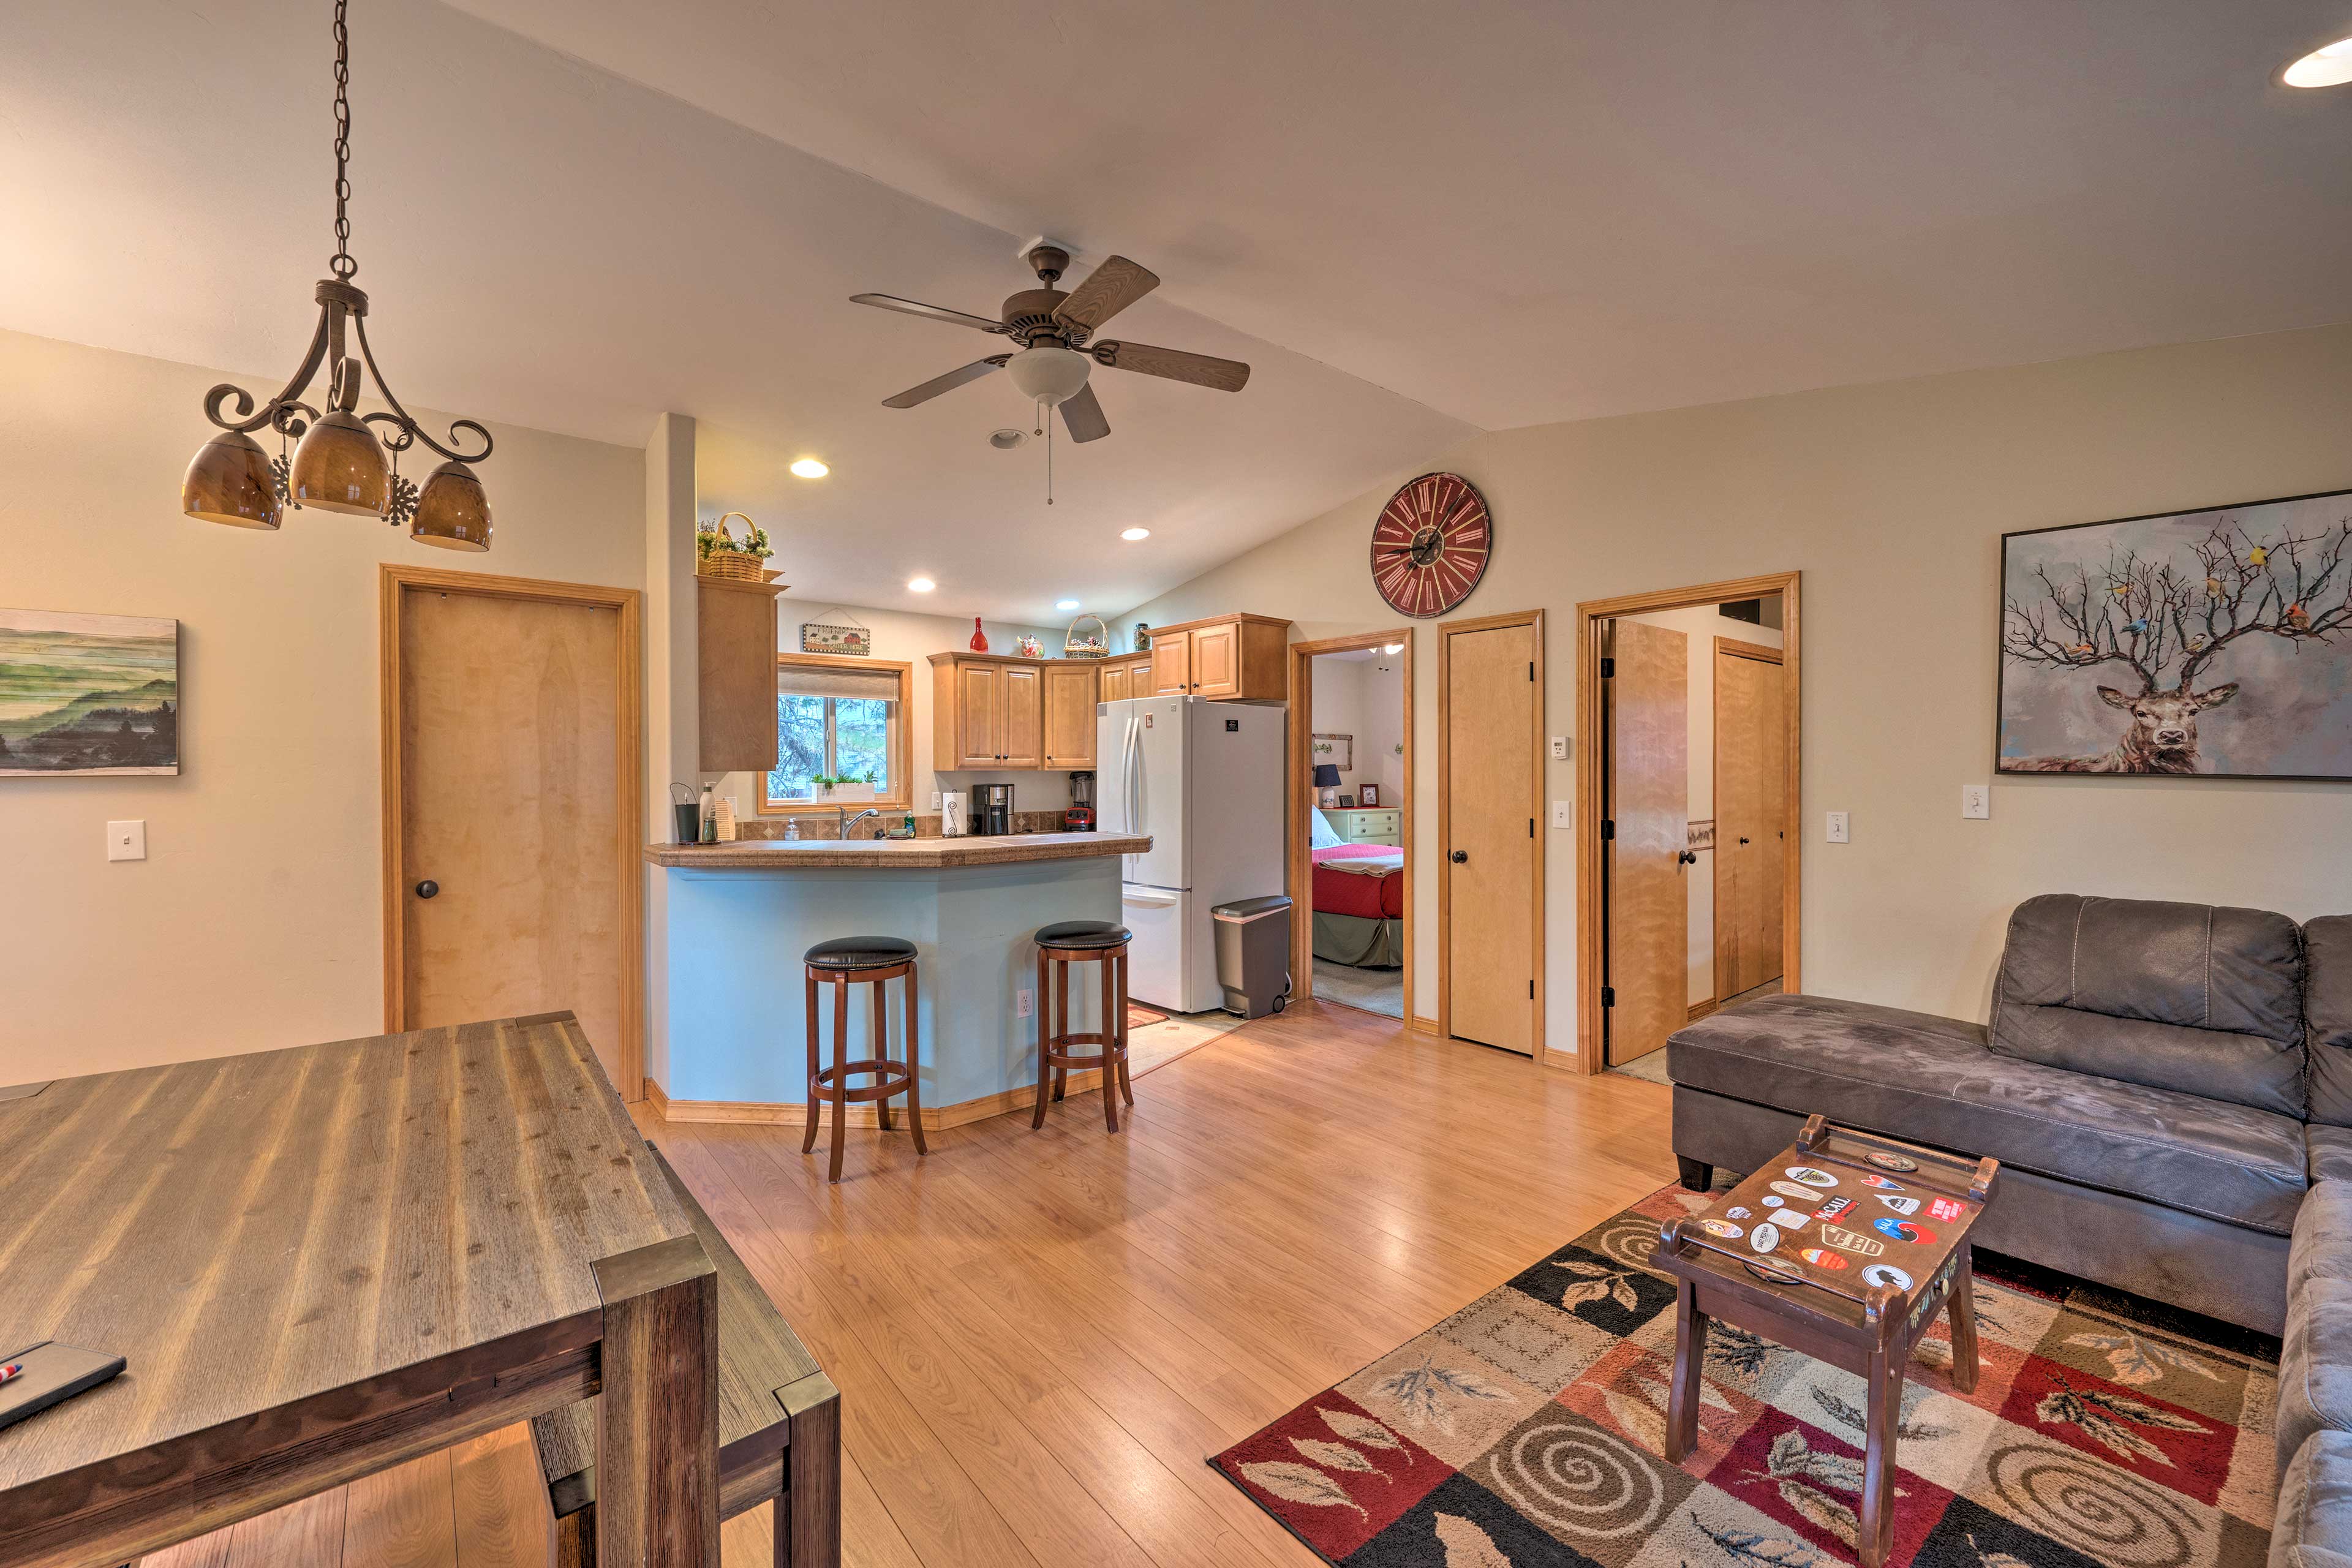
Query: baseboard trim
(1421, 1025)
(792, 1113)
(1701, 1009)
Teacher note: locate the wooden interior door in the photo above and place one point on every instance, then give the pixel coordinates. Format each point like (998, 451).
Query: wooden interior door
(1020, 718)
(1491, 946)
(1646, 800)
(1071, 691)
(1217, 662)
(1750, 813)
(511, 793)
(1172, 665)
(980, 700)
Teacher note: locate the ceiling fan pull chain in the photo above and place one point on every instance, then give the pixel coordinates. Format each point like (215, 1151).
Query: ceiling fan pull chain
(1049, 462)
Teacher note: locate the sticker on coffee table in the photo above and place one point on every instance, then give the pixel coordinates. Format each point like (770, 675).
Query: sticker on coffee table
(1901, 1204)
(1903, 1230)
(1891, 1161)
(1792, 1220)
(1722, 1228)
(1947, 1209)
(1822, 1258)
(1884, 1184)
(1803, 1195)
(1885, 1274)
(1809, 1176)
(1742, 1212)
(1845, 1240)
(1773, 1200)
(1832, 1207)
(1764, 1238)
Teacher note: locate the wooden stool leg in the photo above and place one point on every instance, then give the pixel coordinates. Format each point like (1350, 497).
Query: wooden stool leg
(1044, 1041)
(808, 1140)
(912, 1034)
(1111, 1063)
(840, 1074)
(1126, 1089)
(1683, 1390)
(1062, 1009)
(1963, 1308)
(1884, 1406)
(881, 1050)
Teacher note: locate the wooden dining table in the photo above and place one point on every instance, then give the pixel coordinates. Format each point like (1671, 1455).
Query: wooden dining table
(324, 1261)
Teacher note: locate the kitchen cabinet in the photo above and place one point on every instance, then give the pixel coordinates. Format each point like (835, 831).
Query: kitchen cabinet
(1236, 658)
(1072, 688)
(735, 667)
(997, 713)
(1126, 678)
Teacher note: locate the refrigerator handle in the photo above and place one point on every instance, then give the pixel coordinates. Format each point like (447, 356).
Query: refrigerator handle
(1129, 755)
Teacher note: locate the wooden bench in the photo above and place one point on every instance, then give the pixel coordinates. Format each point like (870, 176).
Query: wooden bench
(779, 1427)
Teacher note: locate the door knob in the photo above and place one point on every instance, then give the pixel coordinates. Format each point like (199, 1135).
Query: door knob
(1743, 841)
(1688, 857)
(1462, 857)
(428, 887)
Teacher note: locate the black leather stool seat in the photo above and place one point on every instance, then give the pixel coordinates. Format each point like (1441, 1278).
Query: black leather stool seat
(1082, 934)
(859, 953)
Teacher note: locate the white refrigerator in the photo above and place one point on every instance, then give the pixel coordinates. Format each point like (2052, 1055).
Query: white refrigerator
(1204, 779)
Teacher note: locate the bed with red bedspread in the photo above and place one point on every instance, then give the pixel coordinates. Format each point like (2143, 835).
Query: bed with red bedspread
(1365, 880)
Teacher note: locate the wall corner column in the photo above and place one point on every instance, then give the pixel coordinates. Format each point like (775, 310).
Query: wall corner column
(672, 736)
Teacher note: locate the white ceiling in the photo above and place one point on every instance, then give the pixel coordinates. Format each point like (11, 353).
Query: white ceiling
(1413, 221)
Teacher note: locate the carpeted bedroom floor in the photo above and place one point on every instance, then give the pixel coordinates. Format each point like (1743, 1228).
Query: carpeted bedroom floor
(1373, 989)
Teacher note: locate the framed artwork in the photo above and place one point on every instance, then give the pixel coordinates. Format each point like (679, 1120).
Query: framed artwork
(1699, 835)
(1339, 751)
(88, 694)
(2200, 644)
(1369, 795)
(817, 638)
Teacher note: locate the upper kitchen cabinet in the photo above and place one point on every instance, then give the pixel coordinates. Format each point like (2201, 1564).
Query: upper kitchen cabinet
(1126, 677)
(991, 712)
(1072, 689)
(1237, 657)
(735, 634)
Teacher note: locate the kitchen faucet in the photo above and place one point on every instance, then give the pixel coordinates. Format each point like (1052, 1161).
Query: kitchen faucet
(843, 826)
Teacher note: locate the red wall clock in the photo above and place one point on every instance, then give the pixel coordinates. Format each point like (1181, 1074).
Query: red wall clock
(1430, 545)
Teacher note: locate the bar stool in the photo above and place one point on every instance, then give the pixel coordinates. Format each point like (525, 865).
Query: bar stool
(1059, 946)
(845, 962)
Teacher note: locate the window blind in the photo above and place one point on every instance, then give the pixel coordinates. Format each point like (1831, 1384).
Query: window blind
(808, 680)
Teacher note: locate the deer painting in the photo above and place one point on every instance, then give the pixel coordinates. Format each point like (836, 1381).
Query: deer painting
(2175, 601)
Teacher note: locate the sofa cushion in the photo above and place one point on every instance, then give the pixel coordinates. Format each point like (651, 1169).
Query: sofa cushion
(1913, 1075)
(2329, 1151)
(2186, 997)
(2315, 1386)
(2322, 1236)
(2327, 1016)
(2312, 1525)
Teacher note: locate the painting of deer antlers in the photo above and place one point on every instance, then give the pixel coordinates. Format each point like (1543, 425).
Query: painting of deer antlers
(2118, 638)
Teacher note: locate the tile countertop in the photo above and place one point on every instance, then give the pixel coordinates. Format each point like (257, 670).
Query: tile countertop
(912, 854)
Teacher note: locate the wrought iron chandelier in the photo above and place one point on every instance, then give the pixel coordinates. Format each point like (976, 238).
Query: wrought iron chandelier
(337, 462)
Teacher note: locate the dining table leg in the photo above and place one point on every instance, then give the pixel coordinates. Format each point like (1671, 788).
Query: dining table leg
(657, 1413)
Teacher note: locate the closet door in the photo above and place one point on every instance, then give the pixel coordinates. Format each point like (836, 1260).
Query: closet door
(1750, 798)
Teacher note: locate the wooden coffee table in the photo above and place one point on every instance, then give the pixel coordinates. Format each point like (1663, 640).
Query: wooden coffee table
(1845, 1247)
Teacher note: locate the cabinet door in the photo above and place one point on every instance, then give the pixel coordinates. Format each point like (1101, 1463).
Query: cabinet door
(980, 698)
(1172, 665)
(1070, 695)
(1114, 683)
(1020, 718)
(1217, 662)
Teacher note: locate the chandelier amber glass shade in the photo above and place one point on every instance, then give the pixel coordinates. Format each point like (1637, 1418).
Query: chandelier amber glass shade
(340, 466)
(453, 512)
(230, 482)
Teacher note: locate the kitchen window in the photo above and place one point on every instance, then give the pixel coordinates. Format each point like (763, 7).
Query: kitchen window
(839, 719)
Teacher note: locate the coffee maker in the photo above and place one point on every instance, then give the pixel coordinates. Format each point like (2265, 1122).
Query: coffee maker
(991, 808)
(1080, 817)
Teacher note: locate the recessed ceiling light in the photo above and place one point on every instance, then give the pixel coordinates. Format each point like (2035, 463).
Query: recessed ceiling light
(1065, 604)
(1006, 440)
(1131, 534)
(810, 468)
(2330, 66)
(920, 584)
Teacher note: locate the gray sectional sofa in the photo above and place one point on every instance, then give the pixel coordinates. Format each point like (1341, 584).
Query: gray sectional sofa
(2169, 1090)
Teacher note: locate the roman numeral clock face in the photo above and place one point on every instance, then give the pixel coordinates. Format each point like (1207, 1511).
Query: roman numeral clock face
(1430, 545)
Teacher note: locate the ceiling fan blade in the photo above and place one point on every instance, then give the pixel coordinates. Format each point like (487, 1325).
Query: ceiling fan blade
(1174, 365)
(1109, 289)
(948, 383)
(1084, 416)
(936, 312)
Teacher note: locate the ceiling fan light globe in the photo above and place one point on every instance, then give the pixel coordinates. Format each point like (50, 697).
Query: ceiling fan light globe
(1048, 374)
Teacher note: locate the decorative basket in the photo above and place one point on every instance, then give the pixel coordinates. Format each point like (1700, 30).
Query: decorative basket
(734, 565)
(1094, 644)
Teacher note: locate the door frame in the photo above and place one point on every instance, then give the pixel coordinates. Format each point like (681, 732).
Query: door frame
(1446, 632)
(1299, 867)
(1733, 648)
(394, 583)
(1590, 954)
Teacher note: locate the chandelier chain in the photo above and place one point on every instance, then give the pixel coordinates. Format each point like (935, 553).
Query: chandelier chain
(341, 262)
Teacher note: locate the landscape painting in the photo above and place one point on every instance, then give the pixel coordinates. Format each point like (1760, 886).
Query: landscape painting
(88, 694)
(2214, 644)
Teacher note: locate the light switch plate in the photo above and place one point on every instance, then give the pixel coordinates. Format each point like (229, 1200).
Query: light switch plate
(1563, 814)
(935, 803)
(1840, 830)
(1559, 748)
(1976, 800)
(126, 840)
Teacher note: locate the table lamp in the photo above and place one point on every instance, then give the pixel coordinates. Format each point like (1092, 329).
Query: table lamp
(1327, 782)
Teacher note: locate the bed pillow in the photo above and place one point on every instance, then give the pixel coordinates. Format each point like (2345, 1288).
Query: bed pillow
(1320, 833)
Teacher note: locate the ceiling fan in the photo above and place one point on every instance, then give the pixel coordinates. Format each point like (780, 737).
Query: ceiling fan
(1053, 328)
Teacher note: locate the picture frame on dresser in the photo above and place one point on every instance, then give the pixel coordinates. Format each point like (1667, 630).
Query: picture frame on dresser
(1368, 796)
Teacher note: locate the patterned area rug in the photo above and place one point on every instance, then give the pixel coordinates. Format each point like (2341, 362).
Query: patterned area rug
(1529, 1428)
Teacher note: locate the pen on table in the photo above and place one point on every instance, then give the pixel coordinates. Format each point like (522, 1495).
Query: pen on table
(11, 1371)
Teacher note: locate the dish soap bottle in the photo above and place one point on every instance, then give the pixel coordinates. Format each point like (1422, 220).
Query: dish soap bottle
(710, 816)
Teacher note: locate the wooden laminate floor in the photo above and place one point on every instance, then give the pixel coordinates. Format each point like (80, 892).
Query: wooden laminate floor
(1040, 1337)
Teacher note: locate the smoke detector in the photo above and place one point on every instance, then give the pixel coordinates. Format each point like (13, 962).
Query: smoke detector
(1005, 440)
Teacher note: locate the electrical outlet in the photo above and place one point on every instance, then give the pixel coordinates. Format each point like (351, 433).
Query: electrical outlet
(1563, 814)
(1976, 800)
(126, 840)
(1559, 748)
(1840, 830)
(1024, 1003)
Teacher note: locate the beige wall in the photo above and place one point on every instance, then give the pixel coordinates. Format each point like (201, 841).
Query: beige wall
(255, 920)
(1891, 500)
(1364, 697)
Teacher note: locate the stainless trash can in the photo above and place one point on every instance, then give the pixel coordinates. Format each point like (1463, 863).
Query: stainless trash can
(1254, 954)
